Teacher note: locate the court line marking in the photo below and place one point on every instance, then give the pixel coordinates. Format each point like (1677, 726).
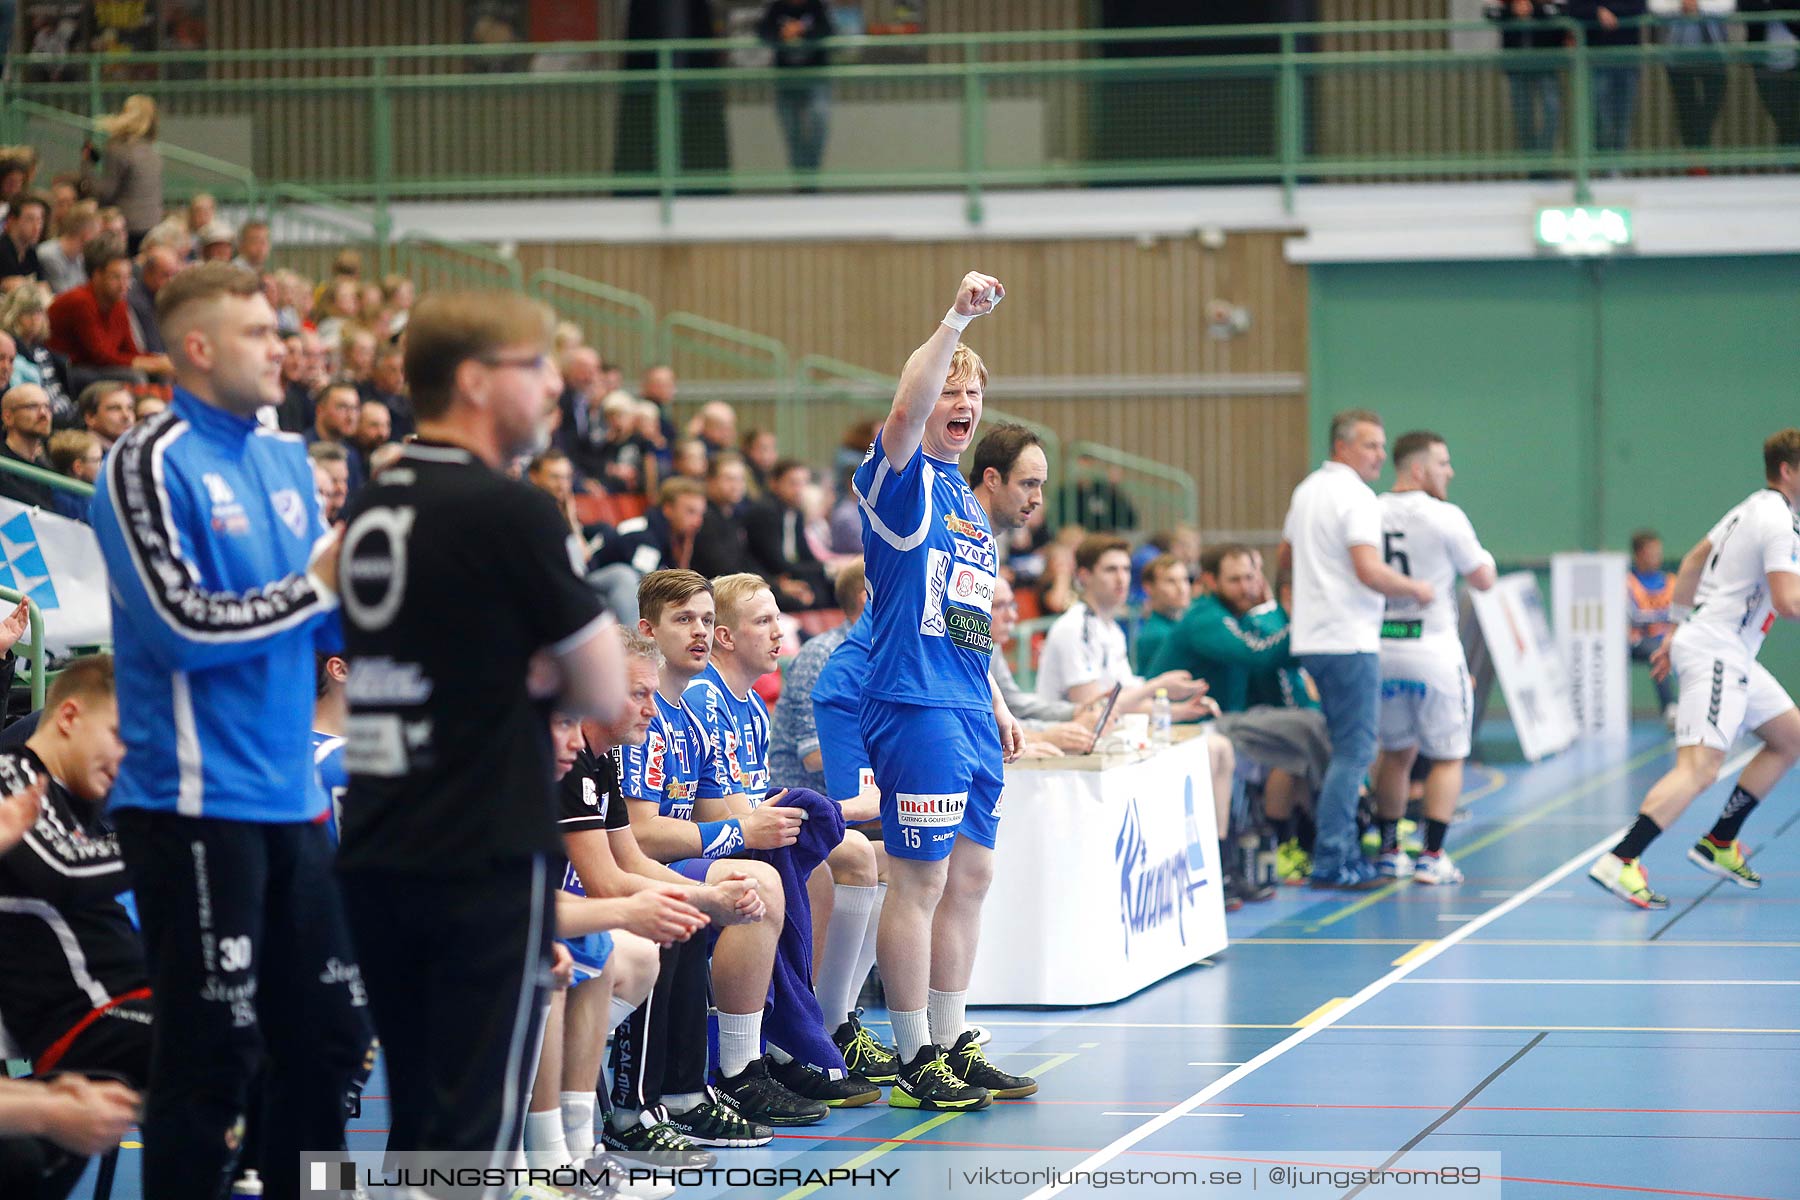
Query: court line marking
(1320, 1011)
(1535, 942)
(1419, 1028)
(907, 1135)
(1115, 1113)
(1121, 1144)
(1609, 982)
(1481, 843)
(1413, 953)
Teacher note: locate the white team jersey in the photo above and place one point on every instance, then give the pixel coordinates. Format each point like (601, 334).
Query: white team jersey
(1429, 539)
(1732, 605)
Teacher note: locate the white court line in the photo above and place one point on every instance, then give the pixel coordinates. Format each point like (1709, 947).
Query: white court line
(1119, 1145)
(1614, 982)
(1151, 1114)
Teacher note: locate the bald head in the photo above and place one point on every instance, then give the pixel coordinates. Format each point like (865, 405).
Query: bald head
(157, 265)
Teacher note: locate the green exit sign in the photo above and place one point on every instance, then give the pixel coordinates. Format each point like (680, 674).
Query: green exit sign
(1583, 230)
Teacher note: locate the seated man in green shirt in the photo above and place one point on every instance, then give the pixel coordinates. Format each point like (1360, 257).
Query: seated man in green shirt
(1235, 637)
(1169, 591)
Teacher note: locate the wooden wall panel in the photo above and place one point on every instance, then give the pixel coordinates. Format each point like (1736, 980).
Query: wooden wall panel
(1087, 308)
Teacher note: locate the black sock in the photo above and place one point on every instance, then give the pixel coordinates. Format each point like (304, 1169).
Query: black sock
(1305, 830)
(1434, 835)
(1286, 828)
(1643, 832)
(1390, 834)
(1731, 818)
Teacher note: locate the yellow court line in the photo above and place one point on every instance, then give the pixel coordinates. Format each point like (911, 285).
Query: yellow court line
(1320, 1011)
(1482, 843)
(905, 1136)
(131, 1145)
(1417, 950)
(1570, 1028)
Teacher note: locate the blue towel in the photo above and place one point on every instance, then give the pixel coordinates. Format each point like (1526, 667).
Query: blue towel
(795, 1022)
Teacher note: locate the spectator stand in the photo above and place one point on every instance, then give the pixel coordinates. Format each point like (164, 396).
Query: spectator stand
(716, 361)
(1160, 496)
(310, 229)
(437, 265)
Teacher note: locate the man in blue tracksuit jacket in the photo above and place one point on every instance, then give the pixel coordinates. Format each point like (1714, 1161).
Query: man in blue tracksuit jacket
(208, 522)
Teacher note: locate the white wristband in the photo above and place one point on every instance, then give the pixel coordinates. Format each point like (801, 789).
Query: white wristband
(957, 321)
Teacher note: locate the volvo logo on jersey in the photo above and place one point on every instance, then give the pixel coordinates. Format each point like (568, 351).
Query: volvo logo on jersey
(1154, 891)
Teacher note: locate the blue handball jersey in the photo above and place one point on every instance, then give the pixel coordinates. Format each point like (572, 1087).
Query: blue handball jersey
(837, 712)
(738, 731)
(328, 765)
(930, 560)
(674, 765)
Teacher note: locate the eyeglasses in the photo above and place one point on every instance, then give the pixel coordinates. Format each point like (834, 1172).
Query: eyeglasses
(533, 363)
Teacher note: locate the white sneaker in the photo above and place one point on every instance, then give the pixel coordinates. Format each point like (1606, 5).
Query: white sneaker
(1394, 864)
(1436, 868)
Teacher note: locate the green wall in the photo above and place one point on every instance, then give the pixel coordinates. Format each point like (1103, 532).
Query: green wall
(1580, 400)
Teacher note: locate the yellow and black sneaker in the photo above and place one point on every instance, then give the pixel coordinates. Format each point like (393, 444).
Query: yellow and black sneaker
(864, 1054)
(927, 1082)
(1725, 861)
(810, 1083)
(1627, 881)
(967, 1060)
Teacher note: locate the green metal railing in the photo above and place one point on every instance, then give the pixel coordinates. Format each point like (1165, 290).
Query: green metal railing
(621, 321)
(967, 112)
(58, 136)
(1162, 495)
(34, 653)
(434, 264)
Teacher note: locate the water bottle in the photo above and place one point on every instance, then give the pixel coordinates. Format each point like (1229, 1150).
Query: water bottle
(249, 1185)
(1159, 719)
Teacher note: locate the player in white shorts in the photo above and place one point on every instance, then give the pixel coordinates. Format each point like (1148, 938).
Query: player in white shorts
(1426, 704)
(1739, 578)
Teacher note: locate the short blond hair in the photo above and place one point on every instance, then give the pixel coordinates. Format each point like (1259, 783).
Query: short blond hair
(732, 594)
(448, 329)
(965, 365)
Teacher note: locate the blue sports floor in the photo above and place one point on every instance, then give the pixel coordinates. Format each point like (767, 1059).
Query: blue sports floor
(1597, 1049)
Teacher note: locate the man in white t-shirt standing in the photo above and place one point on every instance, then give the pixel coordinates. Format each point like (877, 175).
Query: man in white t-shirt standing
(1331, 553)
(1426, 702)
(1739, 578)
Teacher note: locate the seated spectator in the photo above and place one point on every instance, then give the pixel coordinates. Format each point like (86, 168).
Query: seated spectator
(59, 259)
(337, 309)
(291, 306)
(582, 395)
(761, 453)
(295, 413)
(552, 473)
(716, 425)
(336, 413)
(626, 460)
(106, 411)
(1650, 591)
(1168, 593)
(1056, 584)
(74, 987)
(775, 539)
(25, 413)
(659, 387)
(156, 265)
(386, 385)
(26, 319)
(1235, 638)
(112, 222)
(20, 234)
(356, 355)
(690, 458)
(77, 454)
(217, 242)
(253, 247)
(202, 210)
(65, 193)
(374, 427)
(397, 295)
(795, 759)
(722, 545)
(147, 406)
(90, 325)
(1097, 500)
(649, 427)
(331, 472)
(663, 537)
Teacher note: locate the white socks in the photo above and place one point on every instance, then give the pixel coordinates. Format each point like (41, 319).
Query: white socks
(578, 1122)
(544, 1143)
(740, 1041)
(865, 958)
(911, 1032)
(947, 1015)
(836, 981)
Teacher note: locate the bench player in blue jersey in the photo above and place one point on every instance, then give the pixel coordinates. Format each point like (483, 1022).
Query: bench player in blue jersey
(331, 710)
(935, 726)
(747, 646)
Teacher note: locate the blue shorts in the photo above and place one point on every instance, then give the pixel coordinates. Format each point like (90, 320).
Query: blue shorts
(940, 772)
(693, 868)
(590, 952)
(841, 746)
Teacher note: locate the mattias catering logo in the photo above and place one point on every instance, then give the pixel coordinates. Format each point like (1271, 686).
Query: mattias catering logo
(1152, 893)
